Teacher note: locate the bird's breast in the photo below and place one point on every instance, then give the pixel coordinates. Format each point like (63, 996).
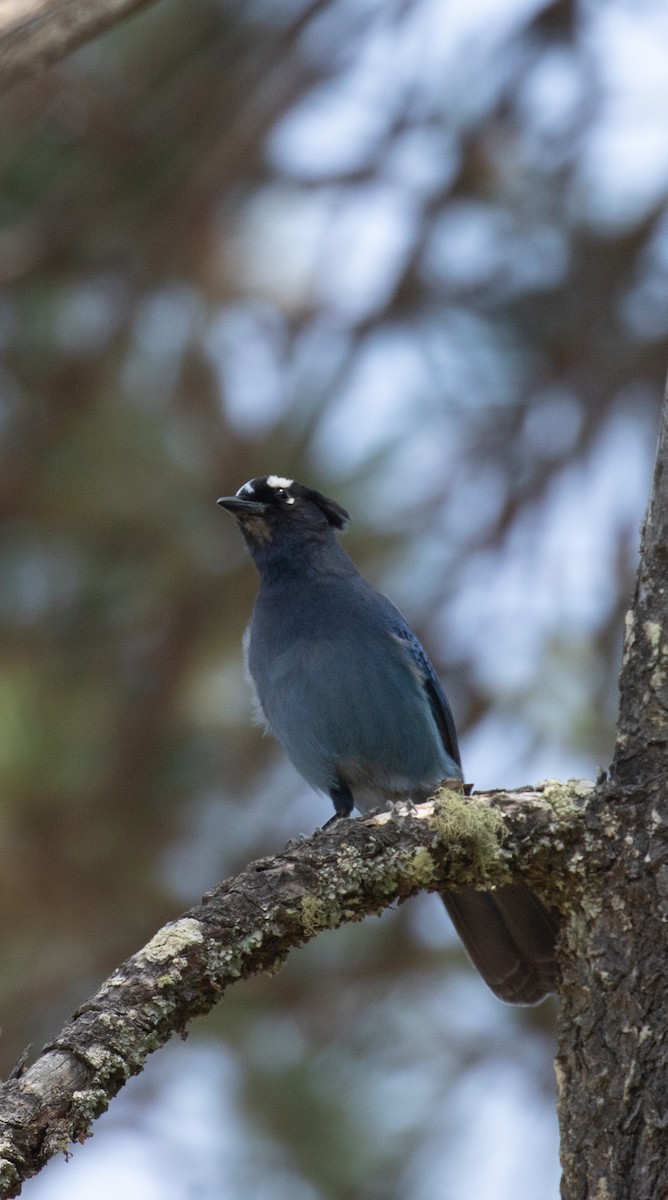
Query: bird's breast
(344, 701)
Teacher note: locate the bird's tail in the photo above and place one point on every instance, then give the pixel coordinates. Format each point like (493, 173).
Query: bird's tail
(510, 937)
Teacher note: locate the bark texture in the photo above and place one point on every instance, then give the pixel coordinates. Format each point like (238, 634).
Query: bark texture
(36, 33)
(612, 1064)
(248, 924)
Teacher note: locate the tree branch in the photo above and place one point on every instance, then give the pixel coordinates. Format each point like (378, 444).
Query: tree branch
(249, 924)
(36, 33)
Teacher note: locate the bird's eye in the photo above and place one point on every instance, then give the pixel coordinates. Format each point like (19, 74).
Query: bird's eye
(281, 493)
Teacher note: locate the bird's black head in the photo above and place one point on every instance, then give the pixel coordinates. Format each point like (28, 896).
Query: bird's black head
(273, 511)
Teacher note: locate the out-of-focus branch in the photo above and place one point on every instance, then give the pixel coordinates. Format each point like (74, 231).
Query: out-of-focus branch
(36, 33)
(249, 924)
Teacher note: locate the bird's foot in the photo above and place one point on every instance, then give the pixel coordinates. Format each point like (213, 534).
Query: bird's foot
(456, 784)
(404, 806)
(295, 842)
(338, 816)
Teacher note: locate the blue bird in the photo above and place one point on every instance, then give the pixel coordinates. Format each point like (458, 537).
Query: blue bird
(345, 686)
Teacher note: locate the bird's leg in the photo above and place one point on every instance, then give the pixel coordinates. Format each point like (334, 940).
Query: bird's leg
(455, 783)
(342, 799)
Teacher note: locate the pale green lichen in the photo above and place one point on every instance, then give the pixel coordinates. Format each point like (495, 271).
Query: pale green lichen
(350, 860)
(356, 867)
(314, 915)
(458, 819)
(89, 1103)
(386, 876)
(581, 920)
(653, 633)
(563, 796)
(105, 1063)
(582, 788)
(423, 867)
(231, 962)
(172, 940)
(9, 1175)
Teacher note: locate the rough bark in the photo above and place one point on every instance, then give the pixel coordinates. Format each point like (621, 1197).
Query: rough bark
(612, 1064)
(36, 33)
(249, 924)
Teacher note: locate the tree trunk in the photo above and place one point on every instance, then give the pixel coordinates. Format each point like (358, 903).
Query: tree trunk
(612, 1066)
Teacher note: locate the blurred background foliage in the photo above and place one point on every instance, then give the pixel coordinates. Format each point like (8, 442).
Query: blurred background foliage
(416, 255)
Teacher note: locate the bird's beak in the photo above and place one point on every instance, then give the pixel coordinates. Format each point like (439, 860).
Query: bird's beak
(238, 506)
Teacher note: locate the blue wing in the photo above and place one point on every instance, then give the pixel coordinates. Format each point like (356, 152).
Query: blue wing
(437, 698)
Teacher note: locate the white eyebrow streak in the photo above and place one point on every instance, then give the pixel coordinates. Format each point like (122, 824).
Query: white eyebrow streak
(277, 481)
